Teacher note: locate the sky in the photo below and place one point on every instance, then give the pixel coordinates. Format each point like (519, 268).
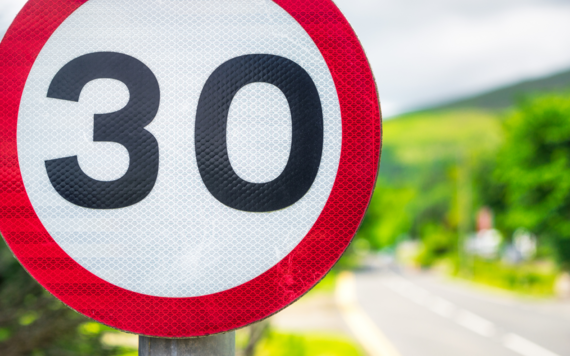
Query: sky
(426, 52)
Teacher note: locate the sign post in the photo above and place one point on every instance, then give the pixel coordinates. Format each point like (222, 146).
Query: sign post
(183, 169)
(215, 345)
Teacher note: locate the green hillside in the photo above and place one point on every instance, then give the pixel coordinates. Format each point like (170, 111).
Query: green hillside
(505, 97)
(430, 140)
(438, 135)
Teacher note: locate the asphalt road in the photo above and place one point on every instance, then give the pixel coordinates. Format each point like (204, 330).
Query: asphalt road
(422, 315)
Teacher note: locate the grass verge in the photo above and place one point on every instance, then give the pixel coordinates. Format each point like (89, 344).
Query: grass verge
(278, 343)
(529, 279)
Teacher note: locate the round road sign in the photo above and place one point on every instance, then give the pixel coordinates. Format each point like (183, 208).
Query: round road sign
(183, 168)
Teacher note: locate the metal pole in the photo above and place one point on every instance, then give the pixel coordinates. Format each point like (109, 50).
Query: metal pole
(215, 345)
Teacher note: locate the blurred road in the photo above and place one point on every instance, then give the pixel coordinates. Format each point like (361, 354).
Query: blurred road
(423, 315)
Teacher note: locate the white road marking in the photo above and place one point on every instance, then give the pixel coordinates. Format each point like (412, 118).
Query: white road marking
(408, 290)
(365, 330)
(476, 323)
(525, 347)
(441, 306)
(463, 317)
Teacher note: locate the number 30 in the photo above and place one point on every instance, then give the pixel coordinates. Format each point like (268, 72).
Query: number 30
(127, 127)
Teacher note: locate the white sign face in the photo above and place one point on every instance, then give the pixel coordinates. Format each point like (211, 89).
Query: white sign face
(179, 241)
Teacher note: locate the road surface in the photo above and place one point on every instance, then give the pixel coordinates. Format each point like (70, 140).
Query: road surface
(422, 315)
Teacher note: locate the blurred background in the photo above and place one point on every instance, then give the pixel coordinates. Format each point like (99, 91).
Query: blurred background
(465, 249)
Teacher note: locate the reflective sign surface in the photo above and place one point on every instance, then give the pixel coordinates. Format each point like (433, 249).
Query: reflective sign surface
(179, 240)
(184, 168)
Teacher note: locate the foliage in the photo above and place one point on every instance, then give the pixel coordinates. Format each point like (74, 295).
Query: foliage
(396, 221)
(437, 242)
(307, 344)
(533, 170)
(33, 322)
(426, 158)
(438, 168)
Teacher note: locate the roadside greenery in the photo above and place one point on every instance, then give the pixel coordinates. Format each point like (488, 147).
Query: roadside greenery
(440, 168)
(428, 160)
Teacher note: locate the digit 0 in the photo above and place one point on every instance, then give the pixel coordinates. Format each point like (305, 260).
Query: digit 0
(307, 136)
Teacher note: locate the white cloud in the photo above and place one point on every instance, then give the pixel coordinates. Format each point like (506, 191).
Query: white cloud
(424, 52)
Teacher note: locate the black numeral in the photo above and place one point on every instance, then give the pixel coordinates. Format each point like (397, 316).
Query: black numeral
(125, 126)
(307, 136)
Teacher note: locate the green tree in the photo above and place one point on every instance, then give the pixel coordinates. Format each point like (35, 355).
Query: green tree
(533, 168)
(388, 216)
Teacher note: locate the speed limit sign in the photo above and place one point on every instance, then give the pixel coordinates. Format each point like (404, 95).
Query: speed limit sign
(183, 168)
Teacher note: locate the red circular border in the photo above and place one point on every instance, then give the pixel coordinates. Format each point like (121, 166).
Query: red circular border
(234, 308)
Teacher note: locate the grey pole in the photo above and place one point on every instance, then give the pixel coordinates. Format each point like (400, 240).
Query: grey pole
(215, 345)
